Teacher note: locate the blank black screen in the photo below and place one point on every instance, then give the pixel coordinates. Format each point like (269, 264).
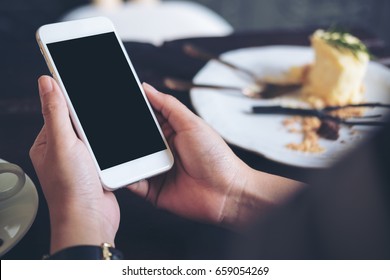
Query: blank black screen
(106, 98)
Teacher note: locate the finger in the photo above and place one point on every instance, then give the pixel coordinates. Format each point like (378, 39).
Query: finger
(39, 144)
(41, 137)
(54, 110)
(178, 115)
(167, 130)
(161, 120)
(140, 188)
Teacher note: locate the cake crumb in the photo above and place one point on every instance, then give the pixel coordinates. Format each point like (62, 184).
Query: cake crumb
(308, 128)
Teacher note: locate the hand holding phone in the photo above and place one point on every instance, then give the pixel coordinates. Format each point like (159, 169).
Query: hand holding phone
(81, 211)
(107, 105)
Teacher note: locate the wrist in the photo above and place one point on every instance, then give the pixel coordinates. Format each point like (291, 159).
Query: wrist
(258, 194)
(73, 228)
(232, 208)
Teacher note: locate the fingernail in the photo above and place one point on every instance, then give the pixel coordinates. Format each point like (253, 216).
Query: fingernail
(150, 88)
(45, 85)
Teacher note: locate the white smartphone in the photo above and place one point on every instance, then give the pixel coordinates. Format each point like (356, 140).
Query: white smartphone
(107, 104)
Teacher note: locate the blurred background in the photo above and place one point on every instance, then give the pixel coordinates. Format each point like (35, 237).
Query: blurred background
(19, 20)
(289, 14)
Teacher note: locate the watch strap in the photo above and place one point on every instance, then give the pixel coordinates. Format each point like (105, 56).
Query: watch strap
(87, 252)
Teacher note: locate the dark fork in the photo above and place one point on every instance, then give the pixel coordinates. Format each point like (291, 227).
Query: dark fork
(323, 114)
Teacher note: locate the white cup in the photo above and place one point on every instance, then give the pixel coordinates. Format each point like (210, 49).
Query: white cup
(8, 185)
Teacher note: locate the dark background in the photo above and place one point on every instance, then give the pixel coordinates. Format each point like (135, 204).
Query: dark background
(372, 15)
(19, 20)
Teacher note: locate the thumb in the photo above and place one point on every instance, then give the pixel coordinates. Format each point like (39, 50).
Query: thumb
(55, 112)
(176, 113)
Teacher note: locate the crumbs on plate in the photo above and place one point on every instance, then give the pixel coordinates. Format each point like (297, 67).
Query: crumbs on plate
(308, 127)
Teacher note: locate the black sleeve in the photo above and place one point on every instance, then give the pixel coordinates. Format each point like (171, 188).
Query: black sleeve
(85, 252)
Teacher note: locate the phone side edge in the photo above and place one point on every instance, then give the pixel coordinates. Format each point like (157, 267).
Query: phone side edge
(73, 116)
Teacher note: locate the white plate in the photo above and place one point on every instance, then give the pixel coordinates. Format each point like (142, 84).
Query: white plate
(17, 215)
(228, 112)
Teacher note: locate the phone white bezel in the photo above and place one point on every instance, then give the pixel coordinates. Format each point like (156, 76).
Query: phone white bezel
(126, 173)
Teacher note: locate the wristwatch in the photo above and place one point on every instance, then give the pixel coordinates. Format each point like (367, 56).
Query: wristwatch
(87, 252)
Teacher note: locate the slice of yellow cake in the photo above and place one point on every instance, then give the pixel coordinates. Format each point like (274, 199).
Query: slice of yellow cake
(336, 76)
